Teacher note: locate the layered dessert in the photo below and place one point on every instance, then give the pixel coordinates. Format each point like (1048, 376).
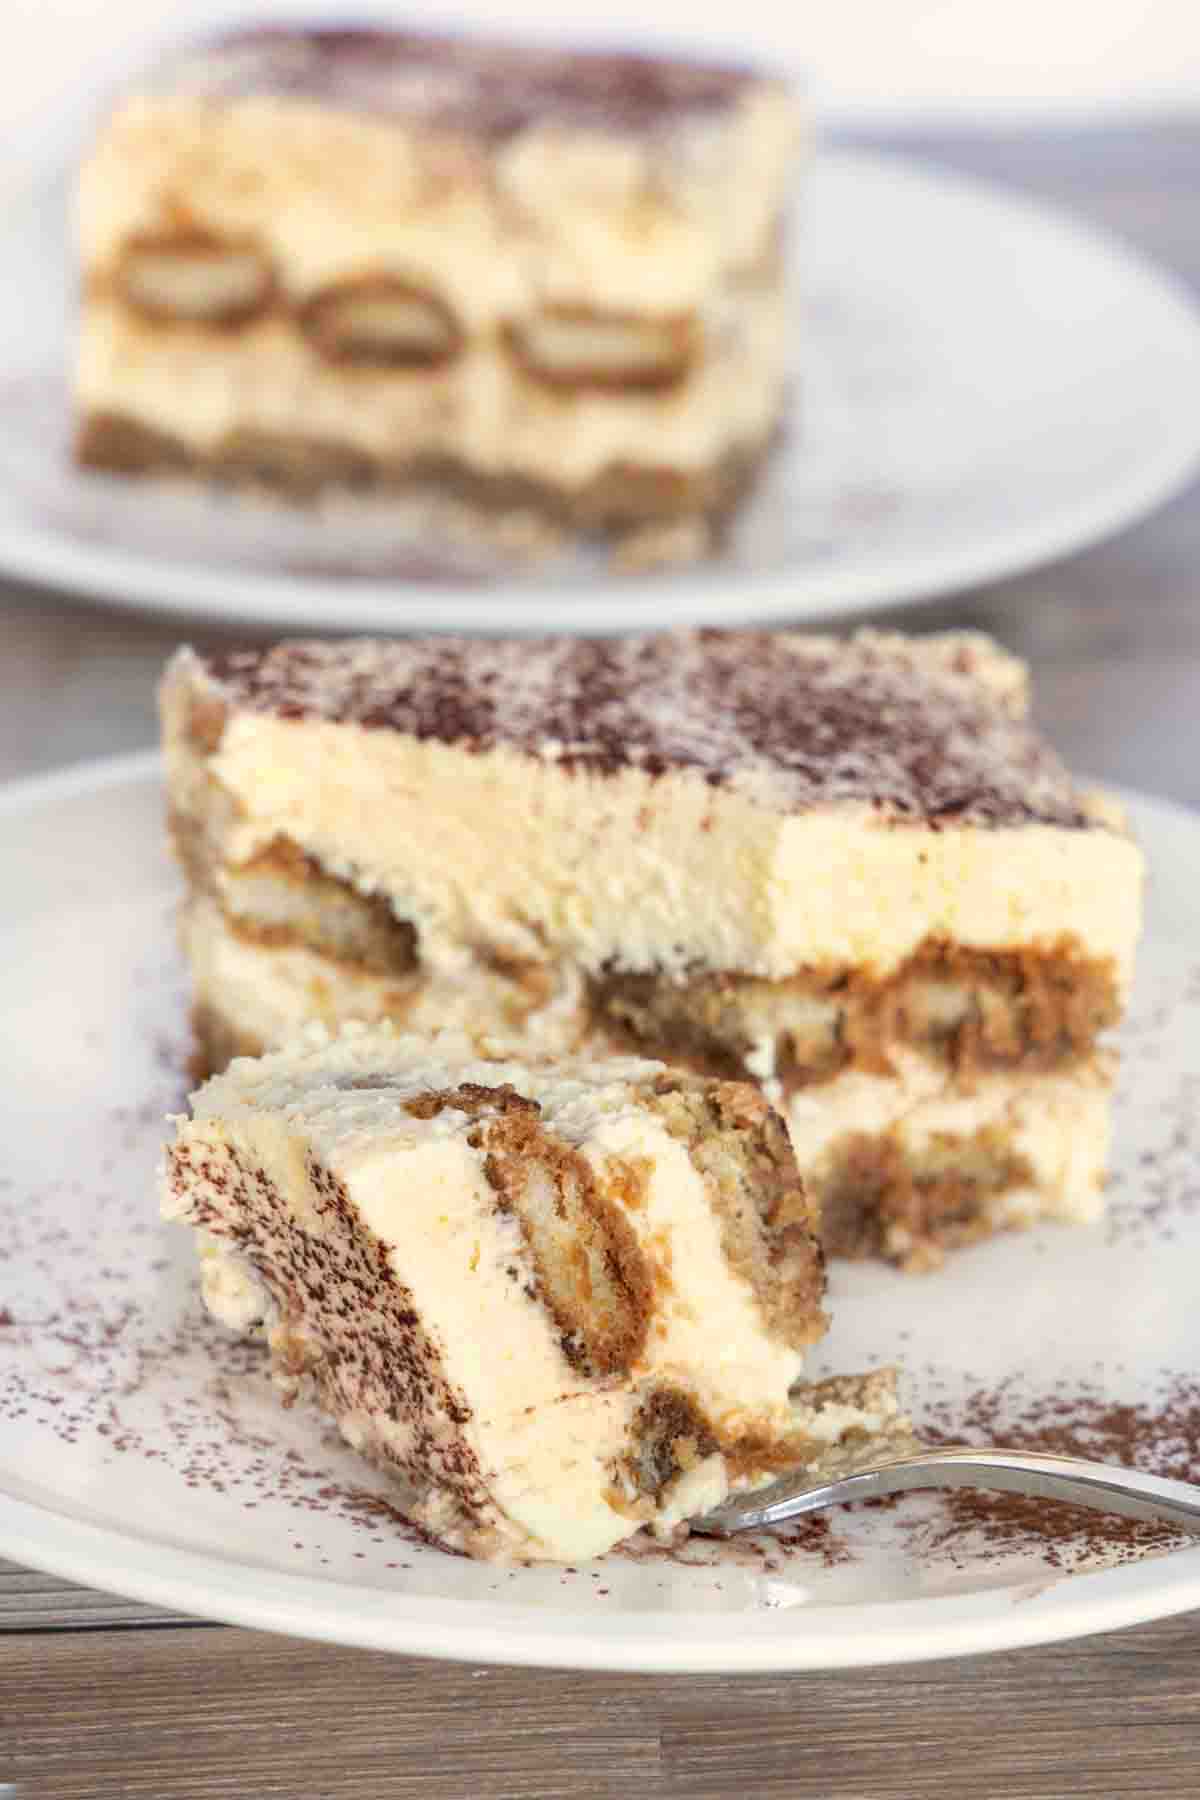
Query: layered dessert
(557, 1303)
(849, 870)
(539, 279)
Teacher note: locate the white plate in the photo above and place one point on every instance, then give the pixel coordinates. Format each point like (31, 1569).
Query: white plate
(142, 1451)
(982, 386)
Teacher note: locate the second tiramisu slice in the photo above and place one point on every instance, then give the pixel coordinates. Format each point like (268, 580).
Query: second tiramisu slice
(535, 279)
(850, 869)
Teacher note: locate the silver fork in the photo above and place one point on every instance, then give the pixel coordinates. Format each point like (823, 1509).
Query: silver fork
(1098, 1485)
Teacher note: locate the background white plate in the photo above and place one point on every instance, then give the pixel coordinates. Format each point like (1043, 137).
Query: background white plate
(982, 386)
(142, 1451)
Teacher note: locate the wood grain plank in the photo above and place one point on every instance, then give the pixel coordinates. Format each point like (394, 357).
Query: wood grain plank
(30, 1601)
(216, 1714)
(1102, 1718)
(234, 1713)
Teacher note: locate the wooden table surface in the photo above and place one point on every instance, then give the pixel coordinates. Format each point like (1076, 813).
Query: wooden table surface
(102, 1697)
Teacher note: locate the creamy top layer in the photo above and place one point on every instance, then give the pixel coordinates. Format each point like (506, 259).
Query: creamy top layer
(349, 1095)
(928, 729)
(723, 800)
(488, 87)
(499, 179)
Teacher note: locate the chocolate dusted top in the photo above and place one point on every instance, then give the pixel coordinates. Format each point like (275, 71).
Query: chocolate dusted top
(487, 88)
(930, 730)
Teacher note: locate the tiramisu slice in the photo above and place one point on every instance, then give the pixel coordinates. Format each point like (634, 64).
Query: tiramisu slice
(851, 870)
(546, 280)
(558, 1303)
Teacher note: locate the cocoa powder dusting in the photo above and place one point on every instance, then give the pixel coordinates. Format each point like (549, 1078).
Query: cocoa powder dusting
(485, 89)
(1159, 1439)
(920, 730)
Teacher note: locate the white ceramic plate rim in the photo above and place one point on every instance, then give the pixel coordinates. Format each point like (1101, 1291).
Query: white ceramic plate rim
(825, 1637)
(41, 554)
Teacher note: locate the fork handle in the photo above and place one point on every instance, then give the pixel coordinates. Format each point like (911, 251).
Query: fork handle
(1097, 1485)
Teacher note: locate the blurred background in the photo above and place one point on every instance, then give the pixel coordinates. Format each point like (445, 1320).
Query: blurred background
(969, 62)
(1093, 105)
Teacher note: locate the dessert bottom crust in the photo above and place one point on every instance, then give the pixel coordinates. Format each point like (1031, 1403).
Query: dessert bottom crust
(621, 497)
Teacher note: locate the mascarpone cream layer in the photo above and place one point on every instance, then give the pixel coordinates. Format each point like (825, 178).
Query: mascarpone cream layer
(481, 409)
(1058, 1123)
(547, 1442)
(511, 854)
(269, 993)
(644, 223)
